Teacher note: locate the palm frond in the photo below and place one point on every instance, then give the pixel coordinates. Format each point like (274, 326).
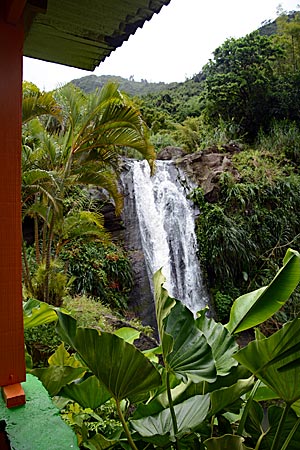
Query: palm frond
(39, 104)
(106, 180)
(84, 224)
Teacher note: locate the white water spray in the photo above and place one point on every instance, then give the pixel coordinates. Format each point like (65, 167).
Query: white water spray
(167, 229)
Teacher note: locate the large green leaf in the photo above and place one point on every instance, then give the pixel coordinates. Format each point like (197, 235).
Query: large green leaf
(222, 343)
(255, 424)
(226, 442)
(99, 442)
(62, 358)
(255, 307)
(274, 415)
(189, 415)
(161, 400)
(120, 367)
(128, 334)
(237, 373)
(163, 306)
(222, 398)
(37, 313)
(264, 393)
(185, 349)
(191, 357)
(55, 377)
(266, 357)
(89, 393)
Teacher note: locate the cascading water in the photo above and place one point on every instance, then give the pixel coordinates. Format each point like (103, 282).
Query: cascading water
(165, 219)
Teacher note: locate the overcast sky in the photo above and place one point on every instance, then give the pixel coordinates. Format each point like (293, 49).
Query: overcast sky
(173, 46)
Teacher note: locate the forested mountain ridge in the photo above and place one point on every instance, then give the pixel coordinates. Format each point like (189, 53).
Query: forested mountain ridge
(163, 104)
(134, 88)
(141, 88)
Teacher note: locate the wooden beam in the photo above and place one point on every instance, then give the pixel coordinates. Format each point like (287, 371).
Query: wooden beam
(12, 358)
(14, 11)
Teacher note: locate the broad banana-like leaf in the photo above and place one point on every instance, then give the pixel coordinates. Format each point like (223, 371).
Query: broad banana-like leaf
(222, 343)
(226, 442)
(225, 393)
(62, 358)
(152, 354)
(296, 407)
(222, 398)
(266, 357)
(89, 393)
(37, 313)
(191, 356)
(274, 415)
(161, 400)
(99, 442)
(55, 377)
(264, 393)
(128, 334)
(237, 373)
(185, 349)
(120, 367)
(255, 307)
(189, 415)
(163, 306)
(255, 424)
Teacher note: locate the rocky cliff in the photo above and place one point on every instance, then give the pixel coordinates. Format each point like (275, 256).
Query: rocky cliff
(203, 168)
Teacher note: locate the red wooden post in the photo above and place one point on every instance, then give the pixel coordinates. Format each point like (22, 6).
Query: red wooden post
(12, 360)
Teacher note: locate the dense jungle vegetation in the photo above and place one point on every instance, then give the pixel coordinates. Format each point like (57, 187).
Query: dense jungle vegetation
(197, 390)
(247, 95)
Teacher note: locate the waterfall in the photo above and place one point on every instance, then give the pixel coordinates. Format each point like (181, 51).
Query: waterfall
(166, 224)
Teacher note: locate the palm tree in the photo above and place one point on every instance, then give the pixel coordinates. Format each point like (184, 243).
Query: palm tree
(82, 147)
(95, 130)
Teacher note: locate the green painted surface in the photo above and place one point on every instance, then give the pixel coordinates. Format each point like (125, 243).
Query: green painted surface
(37, 424)
(83, 33)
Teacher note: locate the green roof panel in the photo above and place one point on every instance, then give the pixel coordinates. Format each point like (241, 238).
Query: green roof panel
(82, 33)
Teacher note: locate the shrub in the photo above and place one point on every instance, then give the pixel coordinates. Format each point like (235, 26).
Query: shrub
(58, 283)
(100, 271)
(244, 234)
(284, 137)
(41, 342)
(222, 303)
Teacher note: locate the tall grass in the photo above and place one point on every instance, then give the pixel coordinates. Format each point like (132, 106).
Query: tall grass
(283, 138)
(245, 233)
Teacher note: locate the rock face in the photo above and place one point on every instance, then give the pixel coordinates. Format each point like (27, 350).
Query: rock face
(170, 152)
(204, 169)
(141, 297)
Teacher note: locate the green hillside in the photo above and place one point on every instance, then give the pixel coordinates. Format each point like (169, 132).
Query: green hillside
(135, 88)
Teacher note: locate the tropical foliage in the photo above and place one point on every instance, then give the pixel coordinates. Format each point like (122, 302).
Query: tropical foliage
(78, 145)
(240, 81)
(248, 82)
(252, 221)
(206, 394)
(197, 390)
